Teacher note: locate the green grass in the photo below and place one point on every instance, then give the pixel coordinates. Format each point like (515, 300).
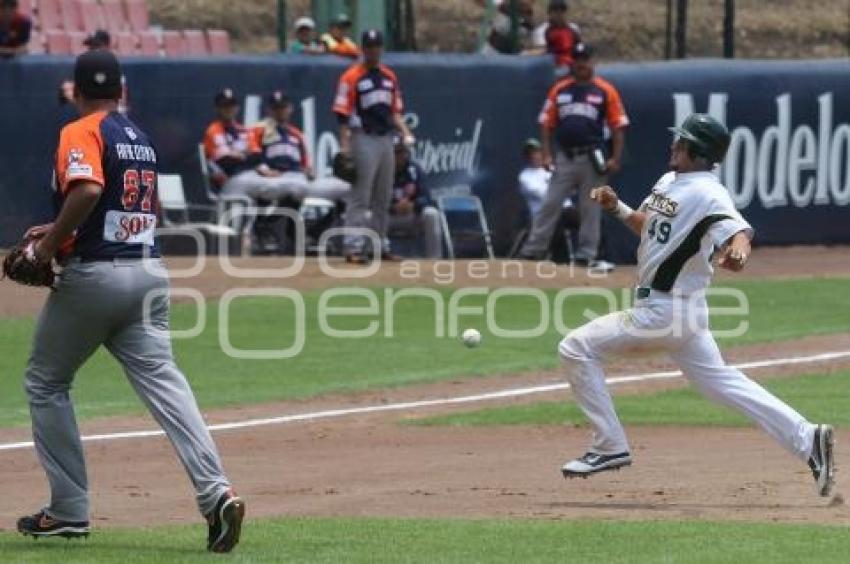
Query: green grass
(822, 397)
(443, 541)
(788, 309)
(413, 354)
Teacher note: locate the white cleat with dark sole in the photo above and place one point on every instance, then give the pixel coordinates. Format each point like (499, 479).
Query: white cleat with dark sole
(822, 460)
(592, 463)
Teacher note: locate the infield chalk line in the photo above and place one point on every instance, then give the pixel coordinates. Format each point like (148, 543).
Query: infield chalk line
(404, 406)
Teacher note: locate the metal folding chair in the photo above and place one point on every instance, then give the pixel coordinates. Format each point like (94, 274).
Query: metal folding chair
(465, 227)
(177, 221)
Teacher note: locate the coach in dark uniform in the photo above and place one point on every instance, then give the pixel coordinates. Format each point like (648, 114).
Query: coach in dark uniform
(368, 106)
(411, 209)
(576, 113)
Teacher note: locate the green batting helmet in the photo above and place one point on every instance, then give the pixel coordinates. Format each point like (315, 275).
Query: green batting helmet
(706, 136)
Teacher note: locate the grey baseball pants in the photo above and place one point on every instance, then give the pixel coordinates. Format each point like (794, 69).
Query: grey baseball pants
(571, 175)
(102, 303)
(426, 223)
(369, 201)
(254, 185)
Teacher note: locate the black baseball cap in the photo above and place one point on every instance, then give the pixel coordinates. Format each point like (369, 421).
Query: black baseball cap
(97, 75)
(372, 38)
(100, 38)
(278, 99)
(226, 97)
(558, 5)
(582, 50)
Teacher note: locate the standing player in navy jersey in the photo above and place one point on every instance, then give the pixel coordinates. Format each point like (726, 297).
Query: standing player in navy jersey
(574, 116)
(368, 106)
(113, 292)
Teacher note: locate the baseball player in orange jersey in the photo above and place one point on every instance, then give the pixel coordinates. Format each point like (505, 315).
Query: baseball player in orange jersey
(284, 161)
(368, 106)
(575, 114)
(113, 292)
(686, 219)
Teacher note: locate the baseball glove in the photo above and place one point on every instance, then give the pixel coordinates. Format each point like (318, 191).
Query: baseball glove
(344, 169)
(20, 266)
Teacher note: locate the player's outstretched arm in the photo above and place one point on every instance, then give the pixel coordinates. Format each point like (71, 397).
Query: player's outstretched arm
(606, 197)
(736, 251)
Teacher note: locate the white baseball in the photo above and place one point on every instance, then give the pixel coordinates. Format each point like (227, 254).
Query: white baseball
(471, 338)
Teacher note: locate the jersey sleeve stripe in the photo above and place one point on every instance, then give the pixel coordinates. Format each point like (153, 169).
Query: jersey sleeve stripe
(669, 270)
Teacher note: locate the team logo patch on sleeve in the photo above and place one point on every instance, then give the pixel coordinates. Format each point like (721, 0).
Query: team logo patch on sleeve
(76, 167)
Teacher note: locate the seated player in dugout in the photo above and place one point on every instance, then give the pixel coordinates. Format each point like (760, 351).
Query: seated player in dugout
(412, 212)
(533, 181)
(285, 162)
(336, 40)
(231, 151)
(15, 30)
(576, 113)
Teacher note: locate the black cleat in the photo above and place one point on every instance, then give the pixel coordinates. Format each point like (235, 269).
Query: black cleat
(822, 460)
(225, 523)
(592, 463)
(43, 525)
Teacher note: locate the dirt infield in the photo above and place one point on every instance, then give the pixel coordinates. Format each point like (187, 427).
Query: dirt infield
(371, 465)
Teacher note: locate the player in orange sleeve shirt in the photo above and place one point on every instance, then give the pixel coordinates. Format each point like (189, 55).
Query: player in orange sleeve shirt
(232, 151)
(285, 160)
(113, 293)
(368, 107)
(577, 112)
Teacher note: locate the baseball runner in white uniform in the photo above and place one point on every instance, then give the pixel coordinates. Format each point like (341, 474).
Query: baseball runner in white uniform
(687, 217)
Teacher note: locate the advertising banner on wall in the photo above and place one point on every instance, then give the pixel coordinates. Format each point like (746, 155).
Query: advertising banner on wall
(788, 168)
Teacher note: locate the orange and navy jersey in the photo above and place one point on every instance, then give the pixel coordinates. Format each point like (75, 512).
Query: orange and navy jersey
(367, 98)
(107, 149)
(579, 112)
(282, 146)
(227, 145)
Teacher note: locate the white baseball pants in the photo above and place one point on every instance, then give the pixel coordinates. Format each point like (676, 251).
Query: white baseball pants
(678, 325)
